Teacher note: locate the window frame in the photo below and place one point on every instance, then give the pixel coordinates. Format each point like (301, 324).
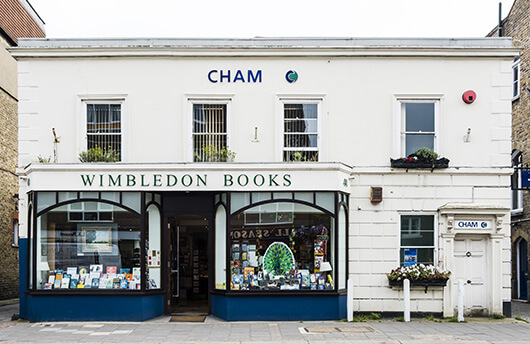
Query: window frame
(435, 235)
(83, 101)
(303, 100)
(400, 120)
(190, 133)
(516, 78)
(516, 190)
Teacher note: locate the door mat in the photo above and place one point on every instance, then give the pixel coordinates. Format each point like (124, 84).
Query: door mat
(187, 318)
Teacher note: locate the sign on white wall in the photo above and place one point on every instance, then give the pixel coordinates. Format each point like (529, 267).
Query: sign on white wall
(473, 224)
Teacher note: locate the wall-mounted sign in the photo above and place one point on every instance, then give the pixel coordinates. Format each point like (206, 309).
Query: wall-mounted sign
(234, 76)
(525, 176)
(472, 224)
(291, 76)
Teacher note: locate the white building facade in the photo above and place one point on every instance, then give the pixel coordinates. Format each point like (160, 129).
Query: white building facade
(254, 177)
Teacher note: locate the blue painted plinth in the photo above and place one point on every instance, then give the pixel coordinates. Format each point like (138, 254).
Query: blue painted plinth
(93, 307)
(264, 307)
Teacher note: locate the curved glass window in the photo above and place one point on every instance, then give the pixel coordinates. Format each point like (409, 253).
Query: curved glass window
(85, 245)
(281, 246)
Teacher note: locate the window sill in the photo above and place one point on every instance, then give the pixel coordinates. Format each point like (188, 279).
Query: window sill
(432, 164)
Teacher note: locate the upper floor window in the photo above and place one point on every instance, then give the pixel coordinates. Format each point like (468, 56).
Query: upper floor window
(517, 192)
(516, 75)
(103, 127)
(300, 131)
(417, 239)
(210, 137)
(418, 125)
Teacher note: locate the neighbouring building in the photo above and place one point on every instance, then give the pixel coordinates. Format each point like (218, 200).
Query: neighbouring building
(17, 19)
(256, 177)
(517, 26)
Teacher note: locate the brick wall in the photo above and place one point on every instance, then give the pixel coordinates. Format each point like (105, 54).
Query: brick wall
(17, 22)
(8, 188)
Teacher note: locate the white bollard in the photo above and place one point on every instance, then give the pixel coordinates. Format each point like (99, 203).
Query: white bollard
(460, 300)
(349, 303)
(406, 296)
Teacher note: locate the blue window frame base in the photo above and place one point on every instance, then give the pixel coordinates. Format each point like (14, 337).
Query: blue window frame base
(279, 308)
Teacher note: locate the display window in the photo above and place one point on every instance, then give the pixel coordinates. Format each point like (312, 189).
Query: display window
(88, 245)
(281, 246)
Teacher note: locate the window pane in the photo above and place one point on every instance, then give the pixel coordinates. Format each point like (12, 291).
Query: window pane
(209, 132)
(220, 248)
(417, 230)
(95, 255)
(417, 141)
(285, 250)
(153, 262)
(419, 117)
(300, 131)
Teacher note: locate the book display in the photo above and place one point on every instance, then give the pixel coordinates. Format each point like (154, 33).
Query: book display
(298, 260)
(94, 278)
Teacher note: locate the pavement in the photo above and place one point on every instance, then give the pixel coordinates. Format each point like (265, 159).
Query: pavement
(216, 331)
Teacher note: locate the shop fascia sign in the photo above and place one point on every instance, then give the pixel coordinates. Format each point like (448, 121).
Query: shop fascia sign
(472, 224)
(186, 180)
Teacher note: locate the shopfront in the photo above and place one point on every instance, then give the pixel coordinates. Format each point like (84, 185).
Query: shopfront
(269, 253)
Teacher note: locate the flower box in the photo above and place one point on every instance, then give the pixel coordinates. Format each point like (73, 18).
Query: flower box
(421, 283)
(419, 163)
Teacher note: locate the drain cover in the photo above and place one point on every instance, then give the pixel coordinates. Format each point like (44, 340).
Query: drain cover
(354, 329)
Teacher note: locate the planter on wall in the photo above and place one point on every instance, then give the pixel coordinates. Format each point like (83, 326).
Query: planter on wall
(420, 163)
(421, 283)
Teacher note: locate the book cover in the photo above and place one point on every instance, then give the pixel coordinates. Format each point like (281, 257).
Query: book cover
(103, 282)
(136, 274)
(73, 283)
(88, 282)
(83, 270)
(244, 247)
(152, 283)
(65, 283)
(95, 283)
(111, 270)
(247, 272)
(59, 276)
(51, 279)
(123, 284)
(306, 280)
(109, 282)
(129, 277)
(47, 286)
(95, 275)
(96, 268)
(57, 284)
(125, 271)
(115, 283)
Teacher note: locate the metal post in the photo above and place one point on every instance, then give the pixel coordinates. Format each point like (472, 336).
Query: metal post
(406, 296)
(349, 303)
(460, 300)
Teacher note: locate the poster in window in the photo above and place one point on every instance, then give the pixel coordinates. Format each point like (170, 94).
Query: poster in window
(411, 256)
(96, 239)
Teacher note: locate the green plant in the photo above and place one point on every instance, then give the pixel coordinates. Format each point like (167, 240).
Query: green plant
(521, 319)
(299, 157)
(400, 319)
(424, 153)
(44, 160)
(97, 154)
(430, 317)
(497, 316)
(418, 272)
(212, 153)
(455, 320)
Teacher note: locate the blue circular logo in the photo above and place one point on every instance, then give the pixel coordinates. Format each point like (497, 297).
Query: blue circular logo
(291, 76)
(484, 224)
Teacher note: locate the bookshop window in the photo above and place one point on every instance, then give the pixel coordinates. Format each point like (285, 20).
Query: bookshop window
(281, 246)
(100, 249)
(417, 239)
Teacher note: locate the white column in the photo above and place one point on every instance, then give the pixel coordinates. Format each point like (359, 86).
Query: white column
(406, 296)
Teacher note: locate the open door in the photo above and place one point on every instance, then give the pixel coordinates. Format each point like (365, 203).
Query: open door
(188, 265)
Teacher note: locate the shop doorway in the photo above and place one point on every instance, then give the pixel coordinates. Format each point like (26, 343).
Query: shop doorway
(522, 268)
(471, 266)
(188, 264)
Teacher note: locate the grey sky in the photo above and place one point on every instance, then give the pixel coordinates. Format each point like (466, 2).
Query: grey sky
(270, 18)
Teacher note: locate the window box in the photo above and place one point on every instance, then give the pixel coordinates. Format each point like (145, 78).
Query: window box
(421, 283)
(419, 163)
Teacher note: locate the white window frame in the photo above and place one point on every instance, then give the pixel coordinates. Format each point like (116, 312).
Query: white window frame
(435, 234)
(300, 99)
(516, 79)
(83, 101)
(519, 209)
(399, 149)
(226, 100)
